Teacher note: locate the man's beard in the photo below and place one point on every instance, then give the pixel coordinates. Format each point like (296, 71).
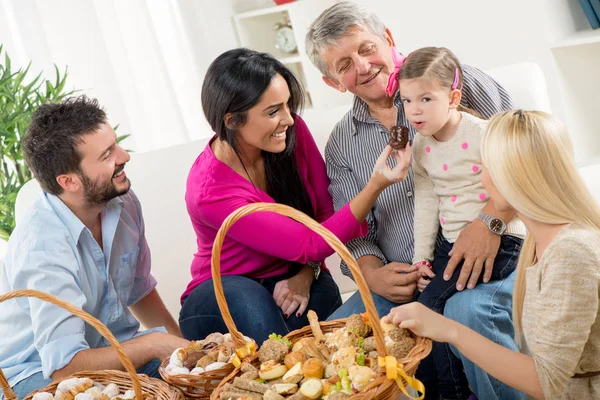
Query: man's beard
(100, 193)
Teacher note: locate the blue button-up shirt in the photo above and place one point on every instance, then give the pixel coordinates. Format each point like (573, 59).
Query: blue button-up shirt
(52, 251)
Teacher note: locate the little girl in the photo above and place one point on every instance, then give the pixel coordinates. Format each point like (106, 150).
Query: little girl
(448, 193)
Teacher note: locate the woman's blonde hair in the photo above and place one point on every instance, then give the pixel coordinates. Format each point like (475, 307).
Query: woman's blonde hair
(436, 64)
(530, 160)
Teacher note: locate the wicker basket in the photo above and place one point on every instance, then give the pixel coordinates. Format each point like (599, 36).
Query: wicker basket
(124, 380)
(382, 387)
(196, 386)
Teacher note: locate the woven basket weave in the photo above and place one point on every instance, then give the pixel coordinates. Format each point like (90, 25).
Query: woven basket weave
(124, 380)
(196, 386)
(380, 388)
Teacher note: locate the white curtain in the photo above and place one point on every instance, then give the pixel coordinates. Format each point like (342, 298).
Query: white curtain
(143, 59)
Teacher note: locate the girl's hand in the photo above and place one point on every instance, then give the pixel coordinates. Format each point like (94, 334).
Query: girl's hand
(426, 276)
(422, 321)
(383, 175)
(292, 294)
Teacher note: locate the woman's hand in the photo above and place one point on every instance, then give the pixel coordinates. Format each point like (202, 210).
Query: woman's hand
(383, 175)
(423, 322)
(292, 294)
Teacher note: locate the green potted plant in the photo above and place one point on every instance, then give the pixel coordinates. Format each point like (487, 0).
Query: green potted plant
(19, 97)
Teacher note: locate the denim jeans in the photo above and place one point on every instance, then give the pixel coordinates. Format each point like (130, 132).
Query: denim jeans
(37, 381)
(442, 371)
(354, 305)
(487, 309)
(252, 307)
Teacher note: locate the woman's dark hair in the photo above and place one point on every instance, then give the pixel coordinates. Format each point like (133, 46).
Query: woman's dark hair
(234, 83)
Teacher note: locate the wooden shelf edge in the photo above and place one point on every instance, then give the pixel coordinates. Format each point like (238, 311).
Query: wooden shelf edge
(291, 59)
(262, 11)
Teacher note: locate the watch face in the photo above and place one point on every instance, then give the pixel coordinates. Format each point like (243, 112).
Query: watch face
(496, 225)
(285, 40)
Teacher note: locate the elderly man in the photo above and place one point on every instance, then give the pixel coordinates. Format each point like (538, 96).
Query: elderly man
(353, 50)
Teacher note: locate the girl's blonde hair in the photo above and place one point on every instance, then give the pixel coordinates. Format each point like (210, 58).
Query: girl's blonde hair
(435, 64)
(530, 160)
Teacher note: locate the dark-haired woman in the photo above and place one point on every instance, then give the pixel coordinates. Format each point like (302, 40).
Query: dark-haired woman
(262, 151)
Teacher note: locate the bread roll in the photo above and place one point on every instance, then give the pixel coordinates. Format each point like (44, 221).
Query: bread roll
(43, 396)
(313, 368)
(312, 388)
(293, 358)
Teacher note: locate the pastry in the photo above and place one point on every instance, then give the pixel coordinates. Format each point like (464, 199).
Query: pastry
(293, 358)
(398, 137)
(313, 368)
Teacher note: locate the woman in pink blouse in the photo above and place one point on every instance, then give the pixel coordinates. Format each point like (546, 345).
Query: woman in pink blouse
(272, 266)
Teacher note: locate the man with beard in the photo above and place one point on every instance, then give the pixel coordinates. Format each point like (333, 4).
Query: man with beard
(82, 241)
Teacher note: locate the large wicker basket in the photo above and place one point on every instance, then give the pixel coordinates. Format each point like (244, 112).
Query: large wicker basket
(196, 386)
(382, 387)
(156, 388)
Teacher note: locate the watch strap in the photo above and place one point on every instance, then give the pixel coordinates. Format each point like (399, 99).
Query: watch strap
(316, 266)
(487, 220)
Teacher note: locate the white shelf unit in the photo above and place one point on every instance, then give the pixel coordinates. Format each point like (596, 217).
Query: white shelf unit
(578, 64)
(255, 31)
(578, 39)
(575, 49)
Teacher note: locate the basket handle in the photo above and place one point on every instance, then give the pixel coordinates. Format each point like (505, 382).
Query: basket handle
(137, 387)
(329, 237)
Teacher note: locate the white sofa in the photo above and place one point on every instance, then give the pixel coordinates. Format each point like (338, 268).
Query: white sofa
(158, 178)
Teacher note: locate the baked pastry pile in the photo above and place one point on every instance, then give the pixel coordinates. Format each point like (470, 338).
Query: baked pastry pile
(86, 389)
(214, 352)
(330, 366)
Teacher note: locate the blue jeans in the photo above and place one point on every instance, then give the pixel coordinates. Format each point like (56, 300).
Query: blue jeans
(252, 307)
(442, 371)
(487, 309)
(37, 381)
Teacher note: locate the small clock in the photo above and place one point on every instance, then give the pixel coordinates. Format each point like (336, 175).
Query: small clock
(284, 39)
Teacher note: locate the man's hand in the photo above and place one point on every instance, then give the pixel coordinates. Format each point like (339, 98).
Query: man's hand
(164, 344)
(478, 247)
(292, 295)
(395, 281)
(140, 350)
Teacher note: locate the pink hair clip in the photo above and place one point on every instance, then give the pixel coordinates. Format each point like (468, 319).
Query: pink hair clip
(456, 78)
(392, 84)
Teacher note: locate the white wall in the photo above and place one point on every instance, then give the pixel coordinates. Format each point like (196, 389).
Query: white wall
(143, 60)
(484, 34)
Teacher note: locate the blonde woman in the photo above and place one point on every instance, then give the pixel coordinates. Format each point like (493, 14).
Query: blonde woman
(529, 167)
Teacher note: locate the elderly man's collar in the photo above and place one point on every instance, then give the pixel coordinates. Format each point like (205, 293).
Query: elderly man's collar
(360, 110)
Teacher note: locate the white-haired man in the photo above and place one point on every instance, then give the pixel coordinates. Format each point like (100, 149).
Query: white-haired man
(353, 50)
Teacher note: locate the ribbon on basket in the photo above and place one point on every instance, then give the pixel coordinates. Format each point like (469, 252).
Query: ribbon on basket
(249, 349)
(394, 371)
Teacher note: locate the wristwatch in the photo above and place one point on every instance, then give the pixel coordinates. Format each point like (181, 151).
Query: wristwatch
(495, 225)
(316, 266)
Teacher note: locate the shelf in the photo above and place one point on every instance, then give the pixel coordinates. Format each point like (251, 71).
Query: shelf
(262, 11)
(291, 59)
(578, 38)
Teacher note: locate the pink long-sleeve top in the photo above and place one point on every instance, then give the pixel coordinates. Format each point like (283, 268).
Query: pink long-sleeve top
(262, 244)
